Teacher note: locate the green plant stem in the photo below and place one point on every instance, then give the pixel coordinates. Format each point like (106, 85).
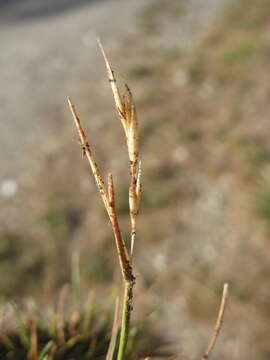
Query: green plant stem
(126, 313)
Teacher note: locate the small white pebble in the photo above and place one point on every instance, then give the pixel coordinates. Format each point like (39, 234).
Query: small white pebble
(8, 188)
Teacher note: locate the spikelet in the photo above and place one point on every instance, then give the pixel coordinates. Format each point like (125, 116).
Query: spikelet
(128, 116)
(116, 93)
(87, 150)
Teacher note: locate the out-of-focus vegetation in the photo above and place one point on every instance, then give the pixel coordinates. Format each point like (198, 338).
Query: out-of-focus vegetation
(70, 330)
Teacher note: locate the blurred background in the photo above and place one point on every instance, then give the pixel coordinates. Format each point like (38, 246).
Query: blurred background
(199, 71)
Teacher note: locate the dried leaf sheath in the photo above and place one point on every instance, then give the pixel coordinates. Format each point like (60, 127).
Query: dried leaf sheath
(121, 247)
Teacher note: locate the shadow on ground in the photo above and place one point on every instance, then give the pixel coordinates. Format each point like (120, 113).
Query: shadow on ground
(14, 10)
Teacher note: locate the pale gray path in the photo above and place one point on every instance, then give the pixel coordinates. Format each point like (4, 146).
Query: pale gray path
(39, 56)
(16, 10)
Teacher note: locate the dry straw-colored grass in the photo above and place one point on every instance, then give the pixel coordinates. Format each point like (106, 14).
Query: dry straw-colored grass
(127, 112)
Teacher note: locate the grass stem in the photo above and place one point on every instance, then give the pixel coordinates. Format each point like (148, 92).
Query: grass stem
(219, 322)
(126, 313)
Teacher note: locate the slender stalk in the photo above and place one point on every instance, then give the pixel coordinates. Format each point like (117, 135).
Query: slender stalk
(132, 244)
(128, 276)
(219, 322)
(126, 313)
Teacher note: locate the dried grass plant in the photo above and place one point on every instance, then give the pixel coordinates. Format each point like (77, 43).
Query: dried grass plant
(127, 113)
